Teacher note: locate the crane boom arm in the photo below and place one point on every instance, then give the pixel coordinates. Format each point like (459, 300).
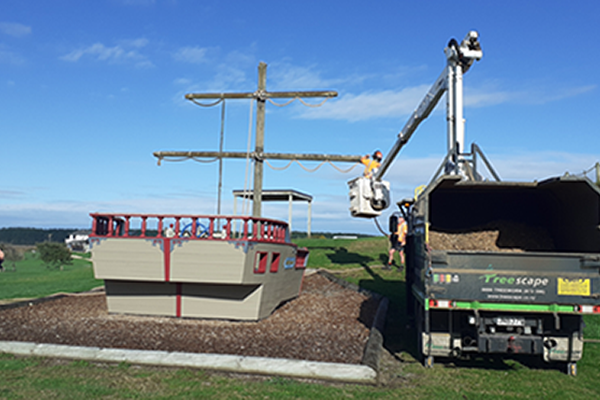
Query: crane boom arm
(369, 196)
(460, 57)
(427, 105)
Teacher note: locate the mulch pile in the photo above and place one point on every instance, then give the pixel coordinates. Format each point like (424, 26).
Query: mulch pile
(325, 323)
(497, 236)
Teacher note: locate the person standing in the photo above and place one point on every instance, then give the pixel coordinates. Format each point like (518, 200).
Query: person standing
(1, 260)
(398, 230)
(371, 165)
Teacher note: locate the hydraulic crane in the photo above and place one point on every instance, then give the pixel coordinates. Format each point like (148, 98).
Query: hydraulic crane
(368, 197)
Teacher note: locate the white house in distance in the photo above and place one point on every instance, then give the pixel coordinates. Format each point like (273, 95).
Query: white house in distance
(79, 241)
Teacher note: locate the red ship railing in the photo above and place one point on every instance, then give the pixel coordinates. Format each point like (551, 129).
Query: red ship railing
(192, 227)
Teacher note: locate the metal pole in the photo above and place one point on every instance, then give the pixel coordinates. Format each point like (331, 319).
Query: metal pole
(234, 212)
(290, 213)
(309, 217)
(458, 115)
(450, 115)
(259, 141)
(598, 173)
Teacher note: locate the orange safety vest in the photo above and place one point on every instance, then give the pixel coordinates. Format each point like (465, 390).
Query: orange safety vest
(370, 165)
(402, 231)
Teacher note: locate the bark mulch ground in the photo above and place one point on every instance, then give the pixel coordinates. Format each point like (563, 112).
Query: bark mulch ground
(325, 323)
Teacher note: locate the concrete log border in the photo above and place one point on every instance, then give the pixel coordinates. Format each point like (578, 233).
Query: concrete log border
(217, 362)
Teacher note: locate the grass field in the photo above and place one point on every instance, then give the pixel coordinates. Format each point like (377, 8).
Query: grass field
(32, 279)
(357, 261)
(345, 254)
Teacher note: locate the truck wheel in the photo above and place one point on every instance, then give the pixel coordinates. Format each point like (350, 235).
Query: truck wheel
(572, 369)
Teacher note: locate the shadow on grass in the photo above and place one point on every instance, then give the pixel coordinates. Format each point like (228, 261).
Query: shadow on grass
(343, 256)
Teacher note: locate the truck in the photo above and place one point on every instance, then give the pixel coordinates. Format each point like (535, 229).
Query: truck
(528, 295)
(492, 267)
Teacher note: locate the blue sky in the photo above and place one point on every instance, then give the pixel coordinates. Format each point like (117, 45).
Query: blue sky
(90, 89)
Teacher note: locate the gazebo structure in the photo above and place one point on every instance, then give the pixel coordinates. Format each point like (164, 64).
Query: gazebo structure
(289, 195)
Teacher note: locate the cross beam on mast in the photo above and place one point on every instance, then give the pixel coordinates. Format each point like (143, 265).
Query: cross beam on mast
(264, 156)
(259, 155)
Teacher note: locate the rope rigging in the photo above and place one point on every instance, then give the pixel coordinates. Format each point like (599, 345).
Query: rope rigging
(185, 158)
(196, 102)
(344, 171)
(249, 158)
(260, 96)
(299, 99)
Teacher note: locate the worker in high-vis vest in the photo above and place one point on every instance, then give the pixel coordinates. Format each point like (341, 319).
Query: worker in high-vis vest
(371, 165)
(398, 230)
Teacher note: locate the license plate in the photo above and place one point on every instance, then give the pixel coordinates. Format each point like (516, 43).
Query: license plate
(508, 321)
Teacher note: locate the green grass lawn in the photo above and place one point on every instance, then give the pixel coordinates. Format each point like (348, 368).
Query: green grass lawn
(357, 261)
(343, 254)
(32, 279)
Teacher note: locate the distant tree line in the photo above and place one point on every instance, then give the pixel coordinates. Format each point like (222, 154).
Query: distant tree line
(326, 235)
(31, 236)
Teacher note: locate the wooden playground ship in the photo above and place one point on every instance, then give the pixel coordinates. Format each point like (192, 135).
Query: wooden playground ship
(198, 266)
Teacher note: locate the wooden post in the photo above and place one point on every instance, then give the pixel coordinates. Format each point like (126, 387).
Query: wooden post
(259, 147)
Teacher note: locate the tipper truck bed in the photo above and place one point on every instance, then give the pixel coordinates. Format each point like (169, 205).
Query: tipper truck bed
(526, 297)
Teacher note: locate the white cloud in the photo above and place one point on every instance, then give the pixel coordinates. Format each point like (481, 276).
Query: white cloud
(11, 194)
(182, 82)
(485, 98)
(15, 29)
(393, 104)
(124, 52)
(193, 55)
(539, 166)
(543, 96)
(136, 43)
(76, 213)
(9, 57)
(490, 95)
(360, 107)
(285, 76)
